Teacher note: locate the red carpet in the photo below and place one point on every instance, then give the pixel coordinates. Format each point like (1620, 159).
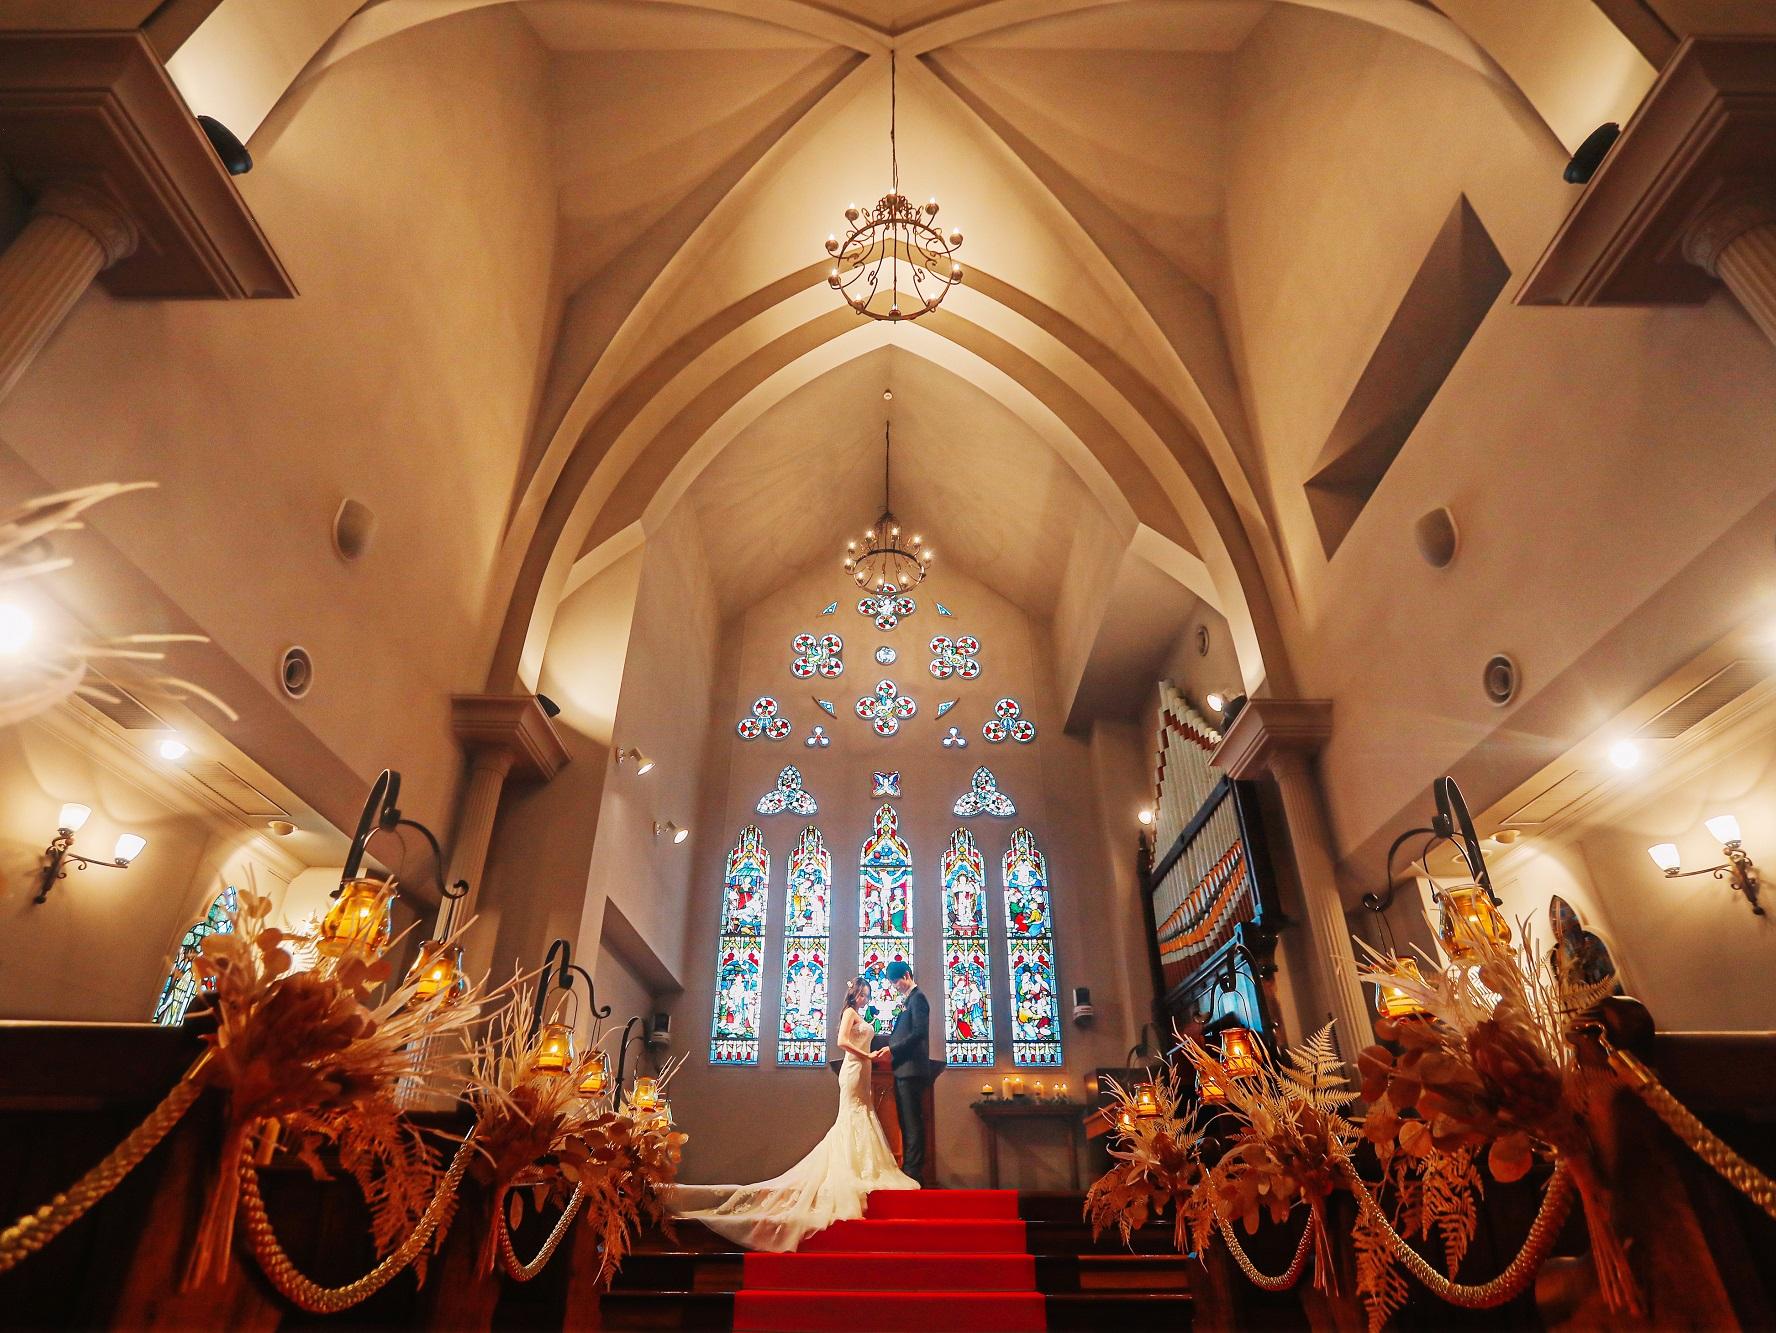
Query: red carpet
(918, 1260)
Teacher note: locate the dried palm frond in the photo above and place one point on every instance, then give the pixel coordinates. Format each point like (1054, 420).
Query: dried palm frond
(1157, 1166)
(314, 1057)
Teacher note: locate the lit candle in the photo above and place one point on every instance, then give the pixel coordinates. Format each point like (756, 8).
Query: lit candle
(1038, 1089)
(1005, 1085)
(987, 1091)
(1060, 1092)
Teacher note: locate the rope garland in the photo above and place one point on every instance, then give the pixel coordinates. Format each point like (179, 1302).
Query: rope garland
(35, 1230)
(1516, 1276)
(298, 1289)
(1701, 1140)
(1258, 1278)
(520, 1272)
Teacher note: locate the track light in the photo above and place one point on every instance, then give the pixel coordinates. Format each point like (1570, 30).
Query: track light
(634, 756)
(678, 834)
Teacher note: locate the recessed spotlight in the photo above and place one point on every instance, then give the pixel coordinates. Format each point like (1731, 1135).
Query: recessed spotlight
(173, 748)
(281, 828)
(16, 628)
(1625, 754)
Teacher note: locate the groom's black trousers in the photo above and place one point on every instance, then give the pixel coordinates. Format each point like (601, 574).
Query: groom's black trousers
(909, 1101)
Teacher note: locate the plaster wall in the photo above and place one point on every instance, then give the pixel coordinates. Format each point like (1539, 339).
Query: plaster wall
(749, 1123)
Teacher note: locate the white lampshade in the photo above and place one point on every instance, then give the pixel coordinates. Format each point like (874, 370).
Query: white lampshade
(73, 816)
(1725, 828)
(129, 847)
(1665, 856)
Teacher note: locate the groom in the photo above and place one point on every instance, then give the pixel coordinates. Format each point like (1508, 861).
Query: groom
(906, 1046)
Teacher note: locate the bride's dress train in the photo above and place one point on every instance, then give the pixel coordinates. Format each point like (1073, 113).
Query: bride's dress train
(829, 1185)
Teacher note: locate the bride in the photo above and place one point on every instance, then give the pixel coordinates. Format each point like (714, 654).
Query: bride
(830, 1184)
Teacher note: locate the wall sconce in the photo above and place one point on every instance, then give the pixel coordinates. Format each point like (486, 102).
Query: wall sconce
(1736, 869)
(678, 834)
(56, 856)
(634, 756)
(1145, 816)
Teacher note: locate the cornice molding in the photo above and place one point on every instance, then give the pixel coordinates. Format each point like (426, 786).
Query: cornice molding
(513, 725)
(1266, 728)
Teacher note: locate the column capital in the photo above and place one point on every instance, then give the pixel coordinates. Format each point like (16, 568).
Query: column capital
(512, 725)
(93, 211)
(1267, 728)
(1728, 217)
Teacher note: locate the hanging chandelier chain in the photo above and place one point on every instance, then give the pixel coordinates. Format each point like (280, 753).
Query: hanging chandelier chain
(893, 116)
(887, 464)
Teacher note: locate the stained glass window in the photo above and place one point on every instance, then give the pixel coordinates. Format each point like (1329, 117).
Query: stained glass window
(807, 925)
(968, 1022)
(734, 1038)
(181, 985)
(1029, 941)
(884, 915)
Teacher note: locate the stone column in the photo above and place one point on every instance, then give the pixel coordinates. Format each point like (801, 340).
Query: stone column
(73, 235)
(506, 736)
(1735, 240)
(1279, 737)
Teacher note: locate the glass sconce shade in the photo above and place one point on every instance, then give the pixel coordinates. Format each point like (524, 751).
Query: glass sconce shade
(129, 847)
(594, 1076)
(554, 1051)
(438, 971)
(1146, 1101)
(645, 1096)
(1393, 1002)
(1469, 916)
(360, 920)
(1665, 857)
(73, 816)
(1724, 829)
(1239, 1053)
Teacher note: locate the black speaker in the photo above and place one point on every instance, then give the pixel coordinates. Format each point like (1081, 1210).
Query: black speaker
(660, 1034)
(1083, 1012)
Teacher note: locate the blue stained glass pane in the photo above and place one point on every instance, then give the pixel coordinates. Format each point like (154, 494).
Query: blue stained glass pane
(181, 983)
(1029, 939)
(884, 915)
(806, 930)
(734, 1035)
(968, 1019)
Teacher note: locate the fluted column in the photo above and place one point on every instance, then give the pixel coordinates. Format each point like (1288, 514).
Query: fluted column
(1279, 737)
(488, 770)
(1735, 240)
(72, 236)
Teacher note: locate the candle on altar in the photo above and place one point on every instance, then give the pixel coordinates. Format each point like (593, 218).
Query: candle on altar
(1005, 1085)
(987, 1091)
(1017, 1085)
(1038, 1089)
(1061, 1092)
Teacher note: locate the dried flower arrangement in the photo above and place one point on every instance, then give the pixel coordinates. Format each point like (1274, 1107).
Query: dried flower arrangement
(314, 1059)
(1160, 1167)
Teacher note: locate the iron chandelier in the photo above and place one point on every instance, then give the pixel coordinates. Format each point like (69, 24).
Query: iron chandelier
(882, 561)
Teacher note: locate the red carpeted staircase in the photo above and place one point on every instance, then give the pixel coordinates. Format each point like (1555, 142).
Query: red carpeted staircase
(918, 1259)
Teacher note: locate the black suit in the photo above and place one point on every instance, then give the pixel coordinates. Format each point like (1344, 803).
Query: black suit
(909, 1042)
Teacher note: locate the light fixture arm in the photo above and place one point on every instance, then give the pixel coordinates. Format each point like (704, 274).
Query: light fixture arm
(55, 863)
(1737, 870)
(382, 814)
(558, 973)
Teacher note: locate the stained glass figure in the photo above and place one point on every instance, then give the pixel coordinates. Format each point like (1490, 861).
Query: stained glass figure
(886, 708)
(886, 655)
(954, 740)
(807, 927)
(1029, 941)
(181, 983)
(827, 706)
(764, 721)
(983, 797)
(734, 1033)
(887, 608)
(1007, 721)
(817, 738)
(823, 656)
(831, 608)
(884, 915)
(788, 795)
(955, 657)
(943, 610)
(945, 706)
(886, 784)
(968, 1020)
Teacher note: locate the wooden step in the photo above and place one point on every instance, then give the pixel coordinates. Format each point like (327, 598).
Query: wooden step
(1124, 1312)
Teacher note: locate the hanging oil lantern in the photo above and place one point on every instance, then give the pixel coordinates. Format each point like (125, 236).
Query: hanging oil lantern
(1239, 1053)
(1391, 1000)
(554, 1050)
(1468, 916)
(594, 1076)
(361, 920)
(645, 1095)
(438, 972)
(1125, 1121)
(1146, 1101)
(1209, 1089)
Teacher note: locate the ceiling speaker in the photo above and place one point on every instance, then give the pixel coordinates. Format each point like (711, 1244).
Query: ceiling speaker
(1437, 538)
(1500, 680)
(353, 527)
(296, 672)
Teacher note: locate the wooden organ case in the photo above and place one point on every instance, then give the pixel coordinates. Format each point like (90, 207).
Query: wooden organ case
(1209, 891)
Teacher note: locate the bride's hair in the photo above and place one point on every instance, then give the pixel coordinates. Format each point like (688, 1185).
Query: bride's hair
(856, 992)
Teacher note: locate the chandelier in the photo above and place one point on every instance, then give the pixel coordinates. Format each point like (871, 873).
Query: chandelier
(897, 235)
(882, 562)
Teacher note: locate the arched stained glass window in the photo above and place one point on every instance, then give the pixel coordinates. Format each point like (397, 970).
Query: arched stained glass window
(807, 927)
(181, 984)
(734, 1038)
(968, 1019)
(1029, 941)
(884, 915)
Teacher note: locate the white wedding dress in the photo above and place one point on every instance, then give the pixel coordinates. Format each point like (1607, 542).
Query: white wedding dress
(828, 1185)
